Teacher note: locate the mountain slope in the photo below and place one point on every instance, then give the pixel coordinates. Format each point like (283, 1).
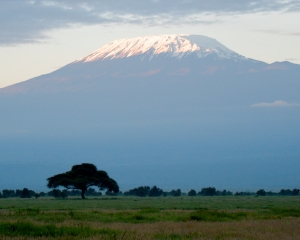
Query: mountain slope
(165, 56)
(152, 108)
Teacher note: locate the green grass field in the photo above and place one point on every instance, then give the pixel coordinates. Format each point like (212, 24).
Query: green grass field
(228, 217)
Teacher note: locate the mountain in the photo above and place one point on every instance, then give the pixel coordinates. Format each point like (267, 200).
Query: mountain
(186, 55)
(176, 46)
(151, 109)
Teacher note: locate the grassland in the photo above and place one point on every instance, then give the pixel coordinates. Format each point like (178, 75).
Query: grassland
(228, 217)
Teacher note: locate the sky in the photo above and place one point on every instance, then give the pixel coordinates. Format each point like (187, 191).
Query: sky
(38, 37)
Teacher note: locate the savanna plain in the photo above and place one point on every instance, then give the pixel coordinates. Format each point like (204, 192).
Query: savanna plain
(121, 217)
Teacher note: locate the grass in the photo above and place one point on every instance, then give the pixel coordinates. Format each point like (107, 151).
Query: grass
(151, 218)
(162, 203)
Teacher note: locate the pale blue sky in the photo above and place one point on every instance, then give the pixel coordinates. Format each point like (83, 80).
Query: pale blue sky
(38, 37)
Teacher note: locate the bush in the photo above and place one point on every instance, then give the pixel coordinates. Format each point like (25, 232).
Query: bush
(25, 193)
(92, 192)
(261, 192)
(58, 194)
(243, 194)
(192, 192)
(288, 192)
(209, 191)
(155, 192)
(176, 193)
(9, 193)
(42, 194)
(140, 191)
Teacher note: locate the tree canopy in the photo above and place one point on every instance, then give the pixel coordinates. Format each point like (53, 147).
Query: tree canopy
(25, 193)
(82, 177)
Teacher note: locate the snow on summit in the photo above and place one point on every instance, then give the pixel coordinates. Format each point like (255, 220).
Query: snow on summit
(177, 46)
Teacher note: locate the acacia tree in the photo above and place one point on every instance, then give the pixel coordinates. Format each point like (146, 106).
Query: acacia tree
(82, 177)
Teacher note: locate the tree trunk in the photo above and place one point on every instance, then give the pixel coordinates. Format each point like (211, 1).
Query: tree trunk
(82, 193)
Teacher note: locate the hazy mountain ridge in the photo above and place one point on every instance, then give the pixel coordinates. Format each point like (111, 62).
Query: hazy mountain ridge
(84, 76)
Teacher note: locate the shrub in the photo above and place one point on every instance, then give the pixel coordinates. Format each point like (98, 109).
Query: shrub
(261, 192)
(192, 192)
(25, 193)
(209, 191)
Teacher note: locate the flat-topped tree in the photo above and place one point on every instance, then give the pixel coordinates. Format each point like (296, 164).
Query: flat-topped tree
(82, 177)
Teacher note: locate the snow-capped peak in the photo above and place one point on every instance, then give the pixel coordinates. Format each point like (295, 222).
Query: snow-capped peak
(173, 45)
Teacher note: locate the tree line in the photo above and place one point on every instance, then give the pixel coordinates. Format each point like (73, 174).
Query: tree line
(56, 193)
(146, 191)
(142, 191)
(82, 177)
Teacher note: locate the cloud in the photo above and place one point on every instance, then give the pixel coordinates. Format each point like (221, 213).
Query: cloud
(279, 32)
(291, 59)
(277, 103)
(28, 21)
